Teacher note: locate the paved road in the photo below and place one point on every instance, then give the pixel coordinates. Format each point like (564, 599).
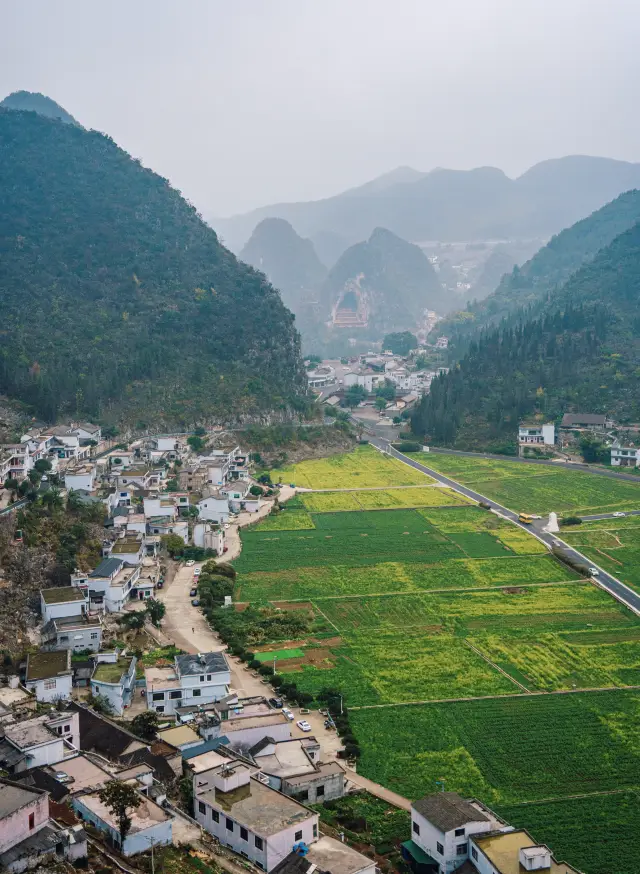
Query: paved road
(605, 580)
(609, 516)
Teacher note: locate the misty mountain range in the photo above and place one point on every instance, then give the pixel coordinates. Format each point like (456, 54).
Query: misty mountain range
(452, 205)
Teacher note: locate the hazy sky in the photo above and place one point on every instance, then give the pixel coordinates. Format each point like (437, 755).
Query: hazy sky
(246, 102)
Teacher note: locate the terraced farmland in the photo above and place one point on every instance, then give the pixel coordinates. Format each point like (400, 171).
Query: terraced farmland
(615, 547)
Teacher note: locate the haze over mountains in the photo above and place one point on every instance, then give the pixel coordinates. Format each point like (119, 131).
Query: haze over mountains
(454, 205)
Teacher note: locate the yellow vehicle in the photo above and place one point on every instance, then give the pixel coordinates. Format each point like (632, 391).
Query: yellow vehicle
(525, 518)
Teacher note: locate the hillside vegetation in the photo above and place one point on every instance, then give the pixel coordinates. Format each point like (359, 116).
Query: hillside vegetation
(117, 300)
(583, 354)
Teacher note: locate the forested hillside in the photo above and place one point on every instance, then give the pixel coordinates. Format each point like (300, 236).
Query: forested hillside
(583, 354)
(33, 101)
(117, 301)
(531, 284)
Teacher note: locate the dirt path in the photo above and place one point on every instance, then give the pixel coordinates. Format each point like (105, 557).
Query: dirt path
(378, 790)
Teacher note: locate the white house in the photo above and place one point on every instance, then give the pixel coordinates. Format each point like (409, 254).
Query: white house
(87, 431)
(214, 508)
(193, 680)
(43, 740)
(533, 434)
(441, 825)
(207, 537)
(319, 377)
(240, 498)
(625, 456)
(128, 549)
(49, 675)
(160, 505)
(369, 380)
(164, 444)
(62, 601)
(513, 850)
(252, 819)
(76, 633)
(114, 678)
(327, 854)
(80, 476)
(150, 826)
(161, 525)
(109, 586)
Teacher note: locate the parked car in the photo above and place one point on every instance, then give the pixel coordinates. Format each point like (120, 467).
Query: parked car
(190, 563)
(619, 515)
(594, 571)
(197, 572)
(160, 584)
(303, 725)
(195, 603)
(288, 713)
(276, 703)
(193, 593)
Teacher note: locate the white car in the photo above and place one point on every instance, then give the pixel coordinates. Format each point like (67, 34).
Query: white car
(303, 725)
(594, 571)
(197, 572)
(288, 714)
(190, 563)
(619, 515)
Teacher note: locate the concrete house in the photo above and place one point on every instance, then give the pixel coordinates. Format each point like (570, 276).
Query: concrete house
(208, 537)
(624, 456)
(128, 549)
(193, 680)
(86, 431)
(252, 819)
(326, 856)
(49, 675)
(590, 421)
(533, 434)
(293, 767)
(62, 601)
(80, 476)
(150, 824)
(240, 498)
(160, 506)
(109, 586)
(513, 850)
(77, 633)
(214, 507)
(114, 678)
(43, 740)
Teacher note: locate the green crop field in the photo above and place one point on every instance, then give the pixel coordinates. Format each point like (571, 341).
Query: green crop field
(505, 750)
(381, 499)
(598, 834)
(536, 488)
(287, 520)
(363, 467)
(269, 656)
(616, 548)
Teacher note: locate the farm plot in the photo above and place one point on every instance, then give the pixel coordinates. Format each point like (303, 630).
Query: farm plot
(505, 750)
(465, 519)
(538, 488)
(301, 583)
(520, 541)
(598, 835)
(617, 550)
(363, 467)
(381, 499)
(287, 520)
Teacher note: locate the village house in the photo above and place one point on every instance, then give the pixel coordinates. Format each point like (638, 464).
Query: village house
(109, 586)
(214, 507)
(77, 633)
(251, 818)
(206, 536)
(42, 740)
(326, 856)
(120, 460)
(321, 376)
(513, 851)
(193, 680)
(534, 434)
(193, 477)
(130, 550)
(81, 476)
(87, 432)
(624, 456)
(139, 475)
(240, 498)
(293, 767)
(49, 675)
(588, 421)
(114, 679)
(28, 836)
(162, 525)
(62, 601)
(244, 723)
(180, 736)
(368, 379)
(150, 824)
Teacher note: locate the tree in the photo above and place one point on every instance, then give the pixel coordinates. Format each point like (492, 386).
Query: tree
(593, 450)
(400, 343)
(386, 390)
(155, 611)
(133, 621)
(256, 491)
(52, 499)
(109, 432)
(354, 394)
(196, 443)
(34, 476)
(381, 404)
(173, 544)
(120, 798)
(42, 465)
(145, 724)
(200, 432)
(11, 484)
(172, 485)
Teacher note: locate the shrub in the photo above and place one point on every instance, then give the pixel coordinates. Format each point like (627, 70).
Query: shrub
(571, 520)
(407, 446)
(255, 665)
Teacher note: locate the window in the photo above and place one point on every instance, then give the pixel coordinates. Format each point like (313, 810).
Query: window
(196, 693)
(176, 694)
(66, 728)
(215, 816)
(63, 638)
(474, 854)
(32, 821)
(303, 796)
(202, 678)
(94, 635)
(208, 677)
(158, 696)
(461, 850)
(297, 836)
(202, 807)
(315, 829)
(229, 825)
(50, 684)
(440, 848)
(459, 833)
(258, 842)
(160, 708)
(416, 828)
(319, 791)
(244, 834)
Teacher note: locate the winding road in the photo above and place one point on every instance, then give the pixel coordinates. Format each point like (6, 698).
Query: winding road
(605, 580)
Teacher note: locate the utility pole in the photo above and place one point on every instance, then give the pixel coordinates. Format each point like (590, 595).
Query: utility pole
(274, 666)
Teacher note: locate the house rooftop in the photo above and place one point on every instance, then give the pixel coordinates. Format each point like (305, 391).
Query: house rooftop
(147, 815)
(14, 796)
(447, 810)
(322, 770)
(260, 808)
(194, 754)
(87, 426)
(107, 568)
(62, 595)
(201, 663)
(199, 762)
(32, 731)
(111, 672)
(502, 849)
(136, 471)
(276, 717)
(570, 419)
(287, 760)
(126, 546)
(71, 623)
(324, 855)
(42, 665)
(179, 736)
(160, 679)
(82, 773)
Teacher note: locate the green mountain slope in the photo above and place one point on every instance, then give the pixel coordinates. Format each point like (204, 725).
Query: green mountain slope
(117, 301)
(387, 280)
(289, 262)
(584, 353)
(552, 265)
(33, 101)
